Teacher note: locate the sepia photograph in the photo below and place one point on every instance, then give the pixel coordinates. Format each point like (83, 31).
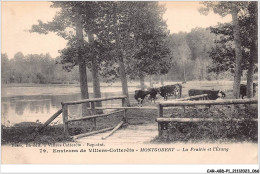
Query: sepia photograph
(129, 82)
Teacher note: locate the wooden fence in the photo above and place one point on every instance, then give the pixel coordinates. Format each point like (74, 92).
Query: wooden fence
(93, 108)
(164, 121)
(93, 115)
(49, 120)
(199, 97)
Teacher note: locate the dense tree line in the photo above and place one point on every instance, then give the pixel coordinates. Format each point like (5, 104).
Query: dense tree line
(35, 68)
(184, 60)
(191, 55)
(189, 58)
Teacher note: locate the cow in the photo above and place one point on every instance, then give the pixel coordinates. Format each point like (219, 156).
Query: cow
(243, 89)
(168, 90)
(140, 95)
(212, 94)
(223, 95)
(153, 92)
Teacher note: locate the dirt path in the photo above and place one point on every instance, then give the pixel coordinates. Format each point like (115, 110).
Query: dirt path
(131, 134)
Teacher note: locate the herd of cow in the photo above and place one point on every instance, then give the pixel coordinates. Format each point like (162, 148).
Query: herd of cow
(176, 90)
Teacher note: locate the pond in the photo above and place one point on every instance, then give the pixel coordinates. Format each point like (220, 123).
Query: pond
(22, 104)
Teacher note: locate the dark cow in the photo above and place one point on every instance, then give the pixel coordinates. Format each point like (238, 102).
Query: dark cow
(169, 90)
(243, 90)
(153, 92)
(223, 95)
(212, 94)
(140, 95)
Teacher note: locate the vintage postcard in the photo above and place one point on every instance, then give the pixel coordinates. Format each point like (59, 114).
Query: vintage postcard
(129, 82)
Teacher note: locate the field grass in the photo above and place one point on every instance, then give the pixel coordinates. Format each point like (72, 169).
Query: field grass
(211, 132)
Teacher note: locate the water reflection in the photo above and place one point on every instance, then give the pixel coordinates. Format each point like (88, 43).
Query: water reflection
(31, 108)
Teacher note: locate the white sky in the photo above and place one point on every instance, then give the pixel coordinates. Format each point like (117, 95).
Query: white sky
(18, 17)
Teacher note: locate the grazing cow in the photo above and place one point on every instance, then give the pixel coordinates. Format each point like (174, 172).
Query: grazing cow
(212, 94)
(153, 92)
(223, 95)
(243, 90)
(140, 95)
(168, 90)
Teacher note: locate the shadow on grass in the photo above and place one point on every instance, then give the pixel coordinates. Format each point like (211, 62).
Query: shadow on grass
(26, 133)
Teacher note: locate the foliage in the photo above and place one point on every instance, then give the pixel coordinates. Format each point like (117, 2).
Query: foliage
(190, 53)
(64, 25)
(34, 68)
(223, 8)
(150, 53)
(139, 30)
(223, 54)
(200, 41)
(237, 10)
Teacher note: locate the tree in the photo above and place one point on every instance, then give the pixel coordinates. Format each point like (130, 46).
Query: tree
(91, 10)
(113, 35)
(5, 69)
(95, 75)
(200, 42)
(223, 54)
(19, 67)
(149, 54)
(251, 22)
(181, 53)
(120, 22)
(70, 17)
(224, 8)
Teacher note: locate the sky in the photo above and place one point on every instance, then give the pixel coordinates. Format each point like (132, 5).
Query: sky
(18, 17)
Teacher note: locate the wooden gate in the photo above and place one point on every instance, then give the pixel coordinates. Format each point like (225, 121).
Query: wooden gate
(93, 115)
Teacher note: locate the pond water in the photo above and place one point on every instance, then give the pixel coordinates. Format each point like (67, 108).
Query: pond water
(30, 107)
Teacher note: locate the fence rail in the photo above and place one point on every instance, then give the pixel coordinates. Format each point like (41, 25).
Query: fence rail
(93, 115)
(167, 119)
(163, 121)
(203, 97)
(50, 120)
(93, 100)
(209, 102)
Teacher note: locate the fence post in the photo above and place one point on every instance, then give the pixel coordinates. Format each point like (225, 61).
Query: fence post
(65, 118)
(93, 112)
(209, 107)
(160, 114)
(124, 114)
